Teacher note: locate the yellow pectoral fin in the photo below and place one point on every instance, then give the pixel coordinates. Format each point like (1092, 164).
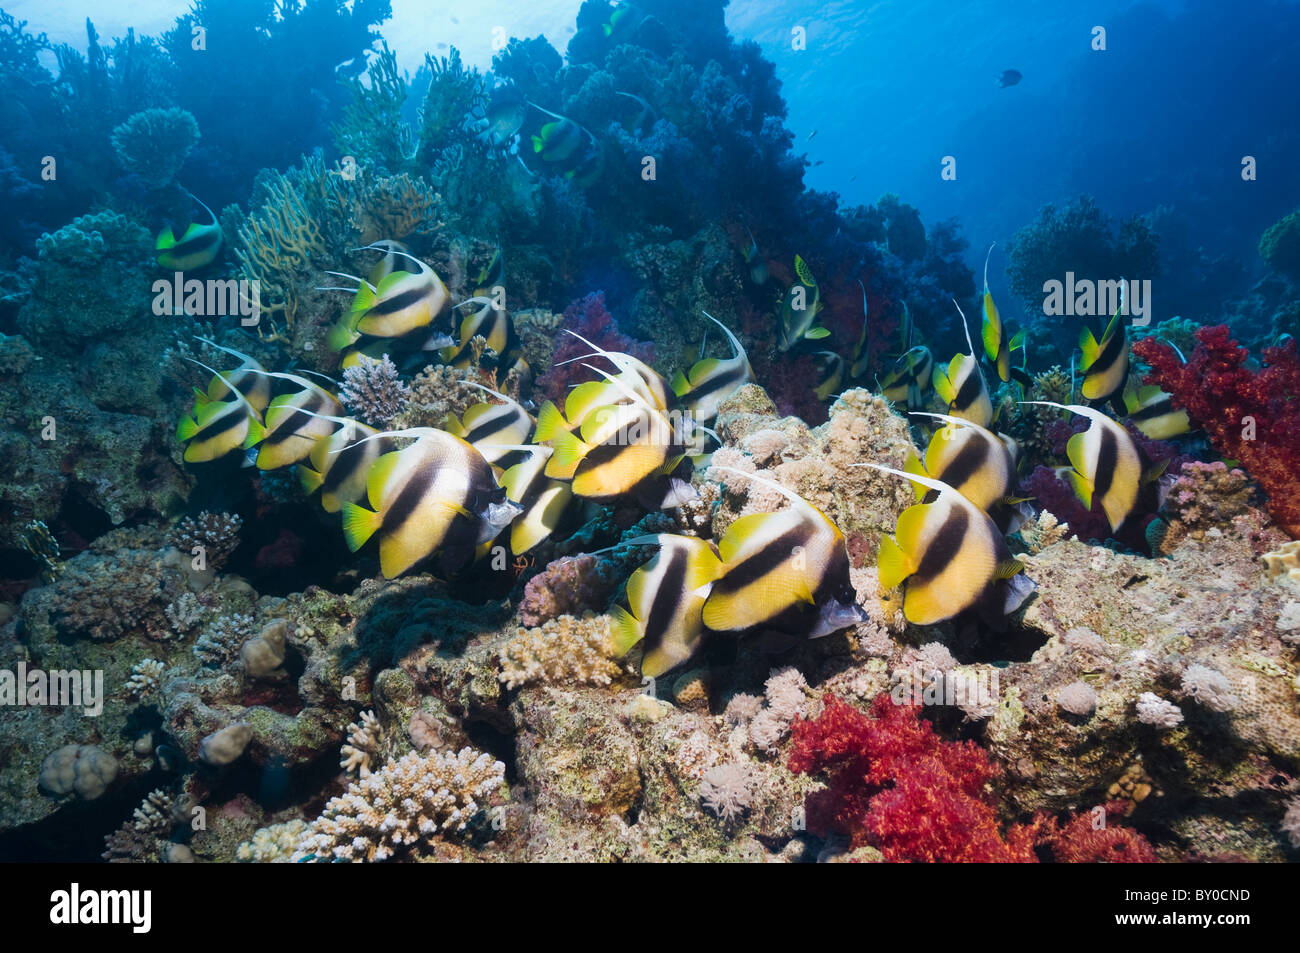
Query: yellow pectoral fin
(381, 471)
(569, 451)
(1077, 453)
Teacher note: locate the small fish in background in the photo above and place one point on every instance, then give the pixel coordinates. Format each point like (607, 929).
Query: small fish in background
(624, 20)
(910, 379)
(961, 385)
(559, 139)
(1107, 464)
(993, 334)
(830, 373)
(294, 422)
(810, 135)
(437, 495)
(666, 597)
(339, 464)
(490, 275)
(949, 557)
(590, 163)
(712, 380)
(1152, 411)
(506, 111)
(643, 120)
(197, 247)
(1009, 77)
(799, 309)
(758, 272)
(1105, 363)
(787, 570)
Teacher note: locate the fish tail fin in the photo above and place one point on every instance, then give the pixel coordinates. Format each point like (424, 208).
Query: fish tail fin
(679, 384)
(359, 524)
(538, 144)
(624, 631)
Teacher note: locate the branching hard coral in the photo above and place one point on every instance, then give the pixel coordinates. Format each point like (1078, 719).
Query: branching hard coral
(372, 129)
(570, 586)
(155, 814)
(365, 742)
(564, 650)
(211, 537)
(274, 844)
(154, 144)
(220, 642)
(145, 678)
(436, 392)
(728, 789)
(186, 614)
(406, 803)
(373, 392)
(1249, 415)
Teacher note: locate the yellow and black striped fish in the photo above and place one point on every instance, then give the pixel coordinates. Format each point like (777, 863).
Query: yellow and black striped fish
(799, 309)
(616, 448)
(971, 459)
(490, 275)
(950, 557)
(338, 464)
(249, 378)
(396, 305)
(292, 424)
(713, 380)
(1105, 362)
(198, 244)
(997, 348)
(666, 597)
(543, 500)
(908, 381)
(486, 425)
(830, 373)
(961, 385)
(1107, 465)
(437, 495)
(216, 427)
(1152, 411)
(489, 322)
(787, 570)
(634, 373)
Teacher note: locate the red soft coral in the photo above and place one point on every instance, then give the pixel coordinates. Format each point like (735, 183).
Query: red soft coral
(589, 317)
(897, 786)
(1251, 416)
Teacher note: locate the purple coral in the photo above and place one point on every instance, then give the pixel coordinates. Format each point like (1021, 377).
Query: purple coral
(568, 586)
(588, 317)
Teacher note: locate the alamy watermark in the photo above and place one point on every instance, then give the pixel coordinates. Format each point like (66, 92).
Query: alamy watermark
(1087, 298)
(211, 298)
(60, 688)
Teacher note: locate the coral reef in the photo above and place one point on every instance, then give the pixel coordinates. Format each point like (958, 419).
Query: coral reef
(373, 392)
(563, 650)
(1245, 412)
(154, 144)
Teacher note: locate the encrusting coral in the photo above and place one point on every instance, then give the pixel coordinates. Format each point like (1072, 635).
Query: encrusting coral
(403, 806)
(567, 649)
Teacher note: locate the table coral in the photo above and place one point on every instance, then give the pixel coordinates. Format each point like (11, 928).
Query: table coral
(1248, 414)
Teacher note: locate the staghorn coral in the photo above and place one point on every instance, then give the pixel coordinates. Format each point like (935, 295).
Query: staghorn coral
(154, 144)
(155, 815)
(373, 392)
(405, 804)
(1248, 414)
(569, 586)
(365, 741)
(186, 614)
(563, 650)
(211, 537)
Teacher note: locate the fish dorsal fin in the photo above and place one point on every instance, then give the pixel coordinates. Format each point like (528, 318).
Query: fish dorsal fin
(910, 529)
(233, 389)
(549, 422)
(702, 370)
(229, 350)
(805, 274)
(943, 378)
(892, 564)
(1077, 453)
(1091, 349)
(474, 414)
(736, 349)
(914, 465)
(797, 501)
(637, 593)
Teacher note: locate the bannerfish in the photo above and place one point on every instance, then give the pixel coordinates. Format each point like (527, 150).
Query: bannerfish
(961, 385)
(1152, 412)
(249, 378)
(830, 373)
(758, 272)
(908, 381)
(559, 139)
(949, 557)
(398, 304)
(216, 427)
(861, 351)
(489, 322)
(799, 309)
(787, 570)
(1106, 464)
(292, 424)
(490, 275)
(977, 463)
(645, 116)
(484, 425)
(504, 117)
(666, 597)
(1105, 363)
(338, 464)
(993, 334)
(542, 499)
(437, 495)
(198, 244)
(713, 380)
